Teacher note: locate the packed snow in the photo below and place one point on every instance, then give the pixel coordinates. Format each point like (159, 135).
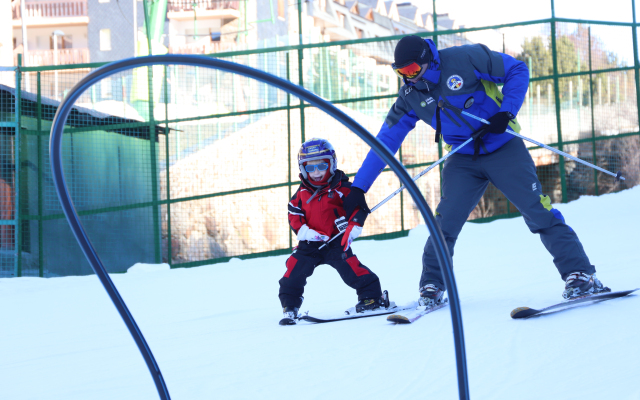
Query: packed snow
(214, 329)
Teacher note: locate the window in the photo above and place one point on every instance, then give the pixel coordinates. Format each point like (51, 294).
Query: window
(322, 4)
(359, 33)
(281, 9)
(105, 39)
(64, 42)
(340, 19)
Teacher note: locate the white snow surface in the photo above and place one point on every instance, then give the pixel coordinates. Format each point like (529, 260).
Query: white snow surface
(214, 329)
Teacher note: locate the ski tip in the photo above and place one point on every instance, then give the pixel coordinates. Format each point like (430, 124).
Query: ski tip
(287, 321)
(398, 319)
(523, 312)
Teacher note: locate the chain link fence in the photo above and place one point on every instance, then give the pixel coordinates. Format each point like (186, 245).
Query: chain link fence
(193, 166)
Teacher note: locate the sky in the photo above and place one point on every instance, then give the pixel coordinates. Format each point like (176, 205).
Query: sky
(214, 329)
(473, 13)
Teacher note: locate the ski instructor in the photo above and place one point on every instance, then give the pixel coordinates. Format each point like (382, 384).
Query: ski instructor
(438, 85)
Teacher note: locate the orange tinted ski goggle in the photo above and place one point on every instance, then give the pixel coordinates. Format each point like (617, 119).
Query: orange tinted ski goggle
(408, 71)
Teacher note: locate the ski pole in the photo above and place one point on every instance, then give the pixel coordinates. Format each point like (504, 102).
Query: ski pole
(415, 178)
(617, 175)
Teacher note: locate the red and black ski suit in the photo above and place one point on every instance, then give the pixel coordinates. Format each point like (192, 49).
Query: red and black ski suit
(318, 208)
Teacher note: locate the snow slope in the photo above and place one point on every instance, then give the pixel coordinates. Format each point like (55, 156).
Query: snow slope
(214, 330)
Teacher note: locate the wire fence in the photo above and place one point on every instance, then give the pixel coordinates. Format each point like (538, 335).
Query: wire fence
(193, 166)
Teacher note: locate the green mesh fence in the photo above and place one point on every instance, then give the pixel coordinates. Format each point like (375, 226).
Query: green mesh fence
(193, 166)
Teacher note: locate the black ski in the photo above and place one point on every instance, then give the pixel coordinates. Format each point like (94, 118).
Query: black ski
(527, 312)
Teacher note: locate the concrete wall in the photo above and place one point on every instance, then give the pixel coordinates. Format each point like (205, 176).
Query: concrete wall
(279, 26)
(117, 16)
(6, 36)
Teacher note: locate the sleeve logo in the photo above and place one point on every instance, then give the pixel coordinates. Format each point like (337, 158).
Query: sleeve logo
(455, 82)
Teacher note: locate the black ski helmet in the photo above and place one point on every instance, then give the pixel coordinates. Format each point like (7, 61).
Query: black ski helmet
(410, 49)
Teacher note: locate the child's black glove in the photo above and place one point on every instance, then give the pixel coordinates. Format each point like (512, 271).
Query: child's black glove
(355, 199)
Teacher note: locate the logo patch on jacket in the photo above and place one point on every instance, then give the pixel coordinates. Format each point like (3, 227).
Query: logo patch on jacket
(455, 82)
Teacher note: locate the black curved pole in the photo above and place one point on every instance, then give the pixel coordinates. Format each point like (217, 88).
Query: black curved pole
(55, 152)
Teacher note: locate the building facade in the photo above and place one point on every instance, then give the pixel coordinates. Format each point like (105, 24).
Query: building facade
(82, 31)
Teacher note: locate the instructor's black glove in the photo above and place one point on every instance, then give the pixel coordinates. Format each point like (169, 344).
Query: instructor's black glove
(499, 122)
(355, 199)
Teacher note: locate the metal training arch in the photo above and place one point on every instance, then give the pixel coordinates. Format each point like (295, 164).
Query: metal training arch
(55, 153)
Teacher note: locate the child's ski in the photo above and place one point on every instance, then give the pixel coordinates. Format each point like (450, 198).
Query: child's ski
(527, 312)
(412, 316)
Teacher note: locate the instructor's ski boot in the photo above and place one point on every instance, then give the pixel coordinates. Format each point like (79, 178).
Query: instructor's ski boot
(580, 284)
(373, 304)
(430, 296)
(290, 315)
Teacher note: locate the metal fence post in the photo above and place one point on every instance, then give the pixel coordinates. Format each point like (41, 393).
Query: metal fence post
(289, 164)
(17, 231)
(636, 63)
(300, 72)
(40, 182)
(556, 86)
(167, 165)
(593, 129)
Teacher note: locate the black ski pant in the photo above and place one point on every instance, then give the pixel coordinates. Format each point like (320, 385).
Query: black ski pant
(301, 264)
(512, 171)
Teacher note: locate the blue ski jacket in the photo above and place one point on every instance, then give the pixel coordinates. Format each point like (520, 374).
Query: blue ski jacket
(464, 78)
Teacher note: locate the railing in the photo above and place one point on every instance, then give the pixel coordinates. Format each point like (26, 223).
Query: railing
(51, 9)
(36, 58)
(201, 48)
(187, 5)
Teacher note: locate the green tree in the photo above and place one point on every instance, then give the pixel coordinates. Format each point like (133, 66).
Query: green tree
(572, 52)
(567, 63)
(537, 57)
(601, 58)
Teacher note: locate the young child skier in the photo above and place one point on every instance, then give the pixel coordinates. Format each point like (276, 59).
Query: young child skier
(316, 215)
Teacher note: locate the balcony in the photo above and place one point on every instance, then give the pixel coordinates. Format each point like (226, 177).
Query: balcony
(51, 13)
(37, 58)
(187, 5)
(204, 9)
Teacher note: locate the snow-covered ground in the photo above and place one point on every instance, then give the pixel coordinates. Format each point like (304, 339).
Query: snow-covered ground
(214, 330)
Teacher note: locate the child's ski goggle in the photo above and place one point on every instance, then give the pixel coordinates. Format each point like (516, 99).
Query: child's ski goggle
(320, 167)
(408, 71)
